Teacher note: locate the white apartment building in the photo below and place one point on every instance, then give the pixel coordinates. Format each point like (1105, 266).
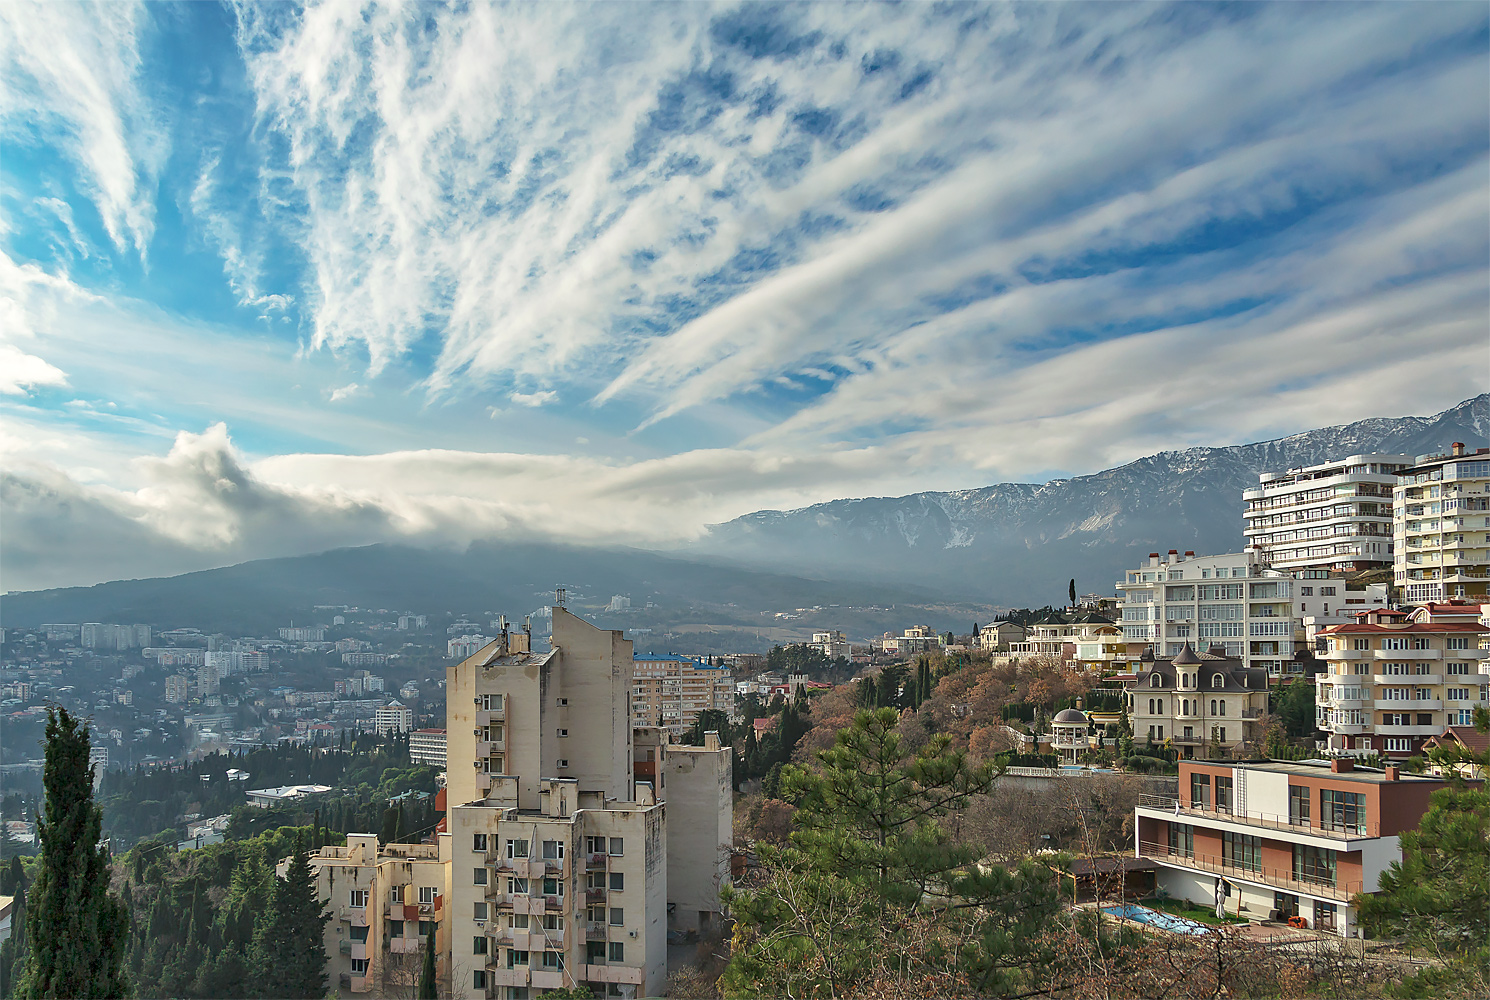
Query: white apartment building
(1233, 605)
(178, 688)
(670, 691)
(1395, 680)
(94, 635)
(1441, 527)
(302, 634)
(427, 746)
(463, 646)
(394, 717)
(832, 644)
(383, 900)
(1331, 517)
(565, 866)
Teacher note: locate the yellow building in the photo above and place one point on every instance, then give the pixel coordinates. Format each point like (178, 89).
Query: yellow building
(670, 691)
(1441, 527)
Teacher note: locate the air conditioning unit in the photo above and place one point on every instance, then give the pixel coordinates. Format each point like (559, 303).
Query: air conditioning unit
(475, 732)
(476, 764)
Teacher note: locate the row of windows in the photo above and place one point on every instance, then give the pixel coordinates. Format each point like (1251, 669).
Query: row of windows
(553, 850)
(1390, 642)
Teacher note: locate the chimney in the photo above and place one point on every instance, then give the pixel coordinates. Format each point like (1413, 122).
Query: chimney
(1153, 558)
(1078, 704)
(1458, 447)
(1394, 773)
(1189, 554)
(1342, 765)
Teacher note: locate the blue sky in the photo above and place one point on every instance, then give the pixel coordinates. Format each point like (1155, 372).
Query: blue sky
(279, 278)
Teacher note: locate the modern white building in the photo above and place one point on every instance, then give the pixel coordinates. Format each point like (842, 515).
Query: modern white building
(394, 717)
(832, 644)
(1332, 517)
(1441, 527)
(264, 798)
(1234, 605)
(565, 865)
(463, 646)
(427, 746)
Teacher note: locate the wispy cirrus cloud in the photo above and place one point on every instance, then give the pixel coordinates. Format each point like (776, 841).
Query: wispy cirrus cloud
(71, 74)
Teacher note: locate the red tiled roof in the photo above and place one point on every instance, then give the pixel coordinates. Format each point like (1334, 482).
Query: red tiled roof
(1468, 736)
(1404, 629)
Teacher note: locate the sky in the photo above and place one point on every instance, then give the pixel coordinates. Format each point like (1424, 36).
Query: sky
(276, 279)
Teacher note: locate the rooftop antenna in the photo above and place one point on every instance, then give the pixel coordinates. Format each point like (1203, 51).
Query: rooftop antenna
(527, 624)
(559, 597)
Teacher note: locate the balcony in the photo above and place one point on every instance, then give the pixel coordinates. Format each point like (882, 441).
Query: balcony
(1413, 705)
(596, 861)
(404, 945)
(1276, 878)
(1347, 654)
(502, 976)
(1406, 680)
(1252, 713)
(613, 974)
(355, 915)
(594, 895)
(1384, 730)
(595, 931)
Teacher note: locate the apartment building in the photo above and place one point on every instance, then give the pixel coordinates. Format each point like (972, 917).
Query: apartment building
(1233, 604)
(1196, 702)
(394, 717)
(1290, 838)
(383, 901)
(1395, 679)
(563, 874)
(1088, 640)
(831, 644)
(427, 746)
(1335, 517)
(670, 691)
(1441, 527)
(1000, 635)
(178, 688)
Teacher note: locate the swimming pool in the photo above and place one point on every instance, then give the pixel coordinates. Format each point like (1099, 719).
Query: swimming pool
(1163, 921)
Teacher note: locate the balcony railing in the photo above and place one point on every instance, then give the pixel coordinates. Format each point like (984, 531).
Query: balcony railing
(1281, 878)
(1168, 803)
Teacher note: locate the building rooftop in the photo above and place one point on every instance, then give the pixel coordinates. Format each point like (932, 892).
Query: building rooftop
(1321, 769)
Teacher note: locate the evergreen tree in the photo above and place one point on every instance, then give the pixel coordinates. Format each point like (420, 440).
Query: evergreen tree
(1071, 589)
(868, 695)
(13, 948)
(429, 988)
(1125, 733)
(76, 931)
(288, 955)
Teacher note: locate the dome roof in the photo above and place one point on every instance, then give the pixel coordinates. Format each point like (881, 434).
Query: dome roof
(1070, 716)
(1187, 657)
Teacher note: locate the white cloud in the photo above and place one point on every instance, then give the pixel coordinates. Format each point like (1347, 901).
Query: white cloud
(534, 399)
(21, 372)
(70, 71)
(345, 392)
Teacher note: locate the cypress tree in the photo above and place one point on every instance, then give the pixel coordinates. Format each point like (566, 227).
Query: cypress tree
(13, 948)
(289, 952)
(429, 987)
(77, 932)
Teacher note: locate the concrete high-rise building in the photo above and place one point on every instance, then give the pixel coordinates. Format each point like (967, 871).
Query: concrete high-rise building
(670, 691)
(832, 643)
(394, 717)
(1233, 605)
(208, 681)
(383, 901)
(178, 688)
(94, 635)
(1397, 679)
(564, 860)
(1332, 517)
(427, 746)
(1441, 527)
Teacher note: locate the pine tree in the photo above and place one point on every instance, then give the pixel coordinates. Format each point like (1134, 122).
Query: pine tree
(76, 931)
(429, 988)
(288, 954)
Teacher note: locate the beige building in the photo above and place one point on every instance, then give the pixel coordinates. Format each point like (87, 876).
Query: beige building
(1396, 680)
(1331, 517)
(394, 717)
(999, 635)
(383, 902)
(562, 870)
(1195, 702)
(670, 691)
(1441, 527)
(832, 644)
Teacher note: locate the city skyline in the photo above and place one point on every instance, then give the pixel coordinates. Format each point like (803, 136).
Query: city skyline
(280, 280)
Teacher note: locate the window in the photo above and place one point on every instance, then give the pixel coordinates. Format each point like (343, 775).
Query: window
(1298, 805)
(426, 895)
(553, 850)
(478, 876)
(1394, 642)
(553, 960)
(1398, 744)
(563, 701)
(396, 927)
(1200, 791)
(617, 951)
(478, 945)
(516, 959)
(1457, 667)
(1326, 591)
(517, 885)
(562, 762)
(1457, 642)
(1221, 707)
(1313, 864)
(1306, 591)
(1343, 811)
(426, 927)
(1223, 793)
(1217, 681)
(617, 881)
(594, 845)
(396, 893)
(553, 922)
(1155, 680)
(1459, 694)
(595, 880)
(517, 849)
(478, 979)
(617, 916)
(1396, 718)
(518, 922)
(478, 911)
(1421, 642)
(563, 732)
(359, 966)
(1182, 839)
(1359, 643)
(617, 847)
(1241, 850)
(359, 933)
(1425, 718)
(478, 843)
(553, 887)
(357, 898)
(595, 952)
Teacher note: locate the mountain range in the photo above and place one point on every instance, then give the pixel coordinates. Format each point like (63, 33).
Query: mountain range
(940, 556)
(1019, 543)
